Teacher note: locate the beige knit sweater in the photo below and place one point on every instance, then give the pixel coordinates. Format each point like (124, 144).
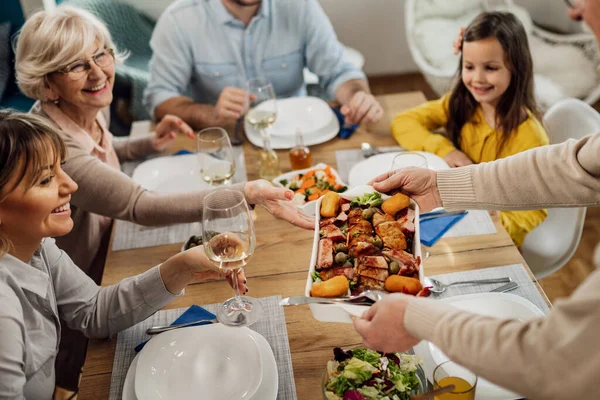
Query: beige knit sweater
(557, 357)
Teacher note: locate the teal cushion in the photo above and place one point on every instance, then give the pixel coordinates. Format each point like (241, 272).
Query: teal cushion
(5, 64)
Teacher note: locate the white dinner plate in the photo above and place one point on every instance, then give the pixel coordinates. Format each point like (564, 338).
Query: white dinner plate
(268, 387)
(322, 135)
(500, 305)
(371, 167)
(309, 114)
(218, 361)
(171, 174)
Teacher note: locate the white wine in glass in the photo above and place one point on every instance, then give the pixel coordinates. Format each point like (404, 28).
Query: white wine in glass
(215, 156)
(261, 119)
(229, 241)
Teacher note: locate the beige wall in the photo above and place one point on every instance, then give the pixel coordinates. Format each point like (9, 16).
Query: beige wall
(376, 29)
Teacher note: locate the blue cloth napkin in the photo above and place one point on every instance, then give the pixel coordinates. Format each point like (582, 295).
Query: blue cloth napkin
(193, 313)
(345, 130)
(433, 229)
(181, 153)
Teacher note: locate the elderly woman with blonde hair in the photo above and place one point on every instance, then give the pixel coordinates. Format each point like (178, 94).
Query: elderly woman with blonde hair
(65, 58)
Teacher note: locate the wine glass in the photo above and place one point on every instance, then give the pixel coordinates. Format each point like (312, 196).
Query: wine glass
(409, 159)
(215, 155)
(261, 105)
(261, 114)
(229, 241)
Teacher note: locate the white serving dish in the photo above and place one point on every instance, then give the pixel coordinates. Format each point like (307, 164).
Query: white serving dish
(308, 207)
(335, 313)
(364, 171)
(182, 363)
(268, 387)
(499, 305)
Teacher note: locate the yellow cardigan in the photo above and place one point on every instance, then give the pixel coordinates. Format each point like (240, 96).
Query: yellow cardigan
(413, 128)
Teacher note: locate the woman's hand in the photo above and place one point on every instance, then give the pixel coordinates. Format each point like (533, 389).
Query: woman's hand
(420, 184)
(168, 129)
(457, 158)
(193, 266)
(277, 202)
(363, 107)
(457, 44)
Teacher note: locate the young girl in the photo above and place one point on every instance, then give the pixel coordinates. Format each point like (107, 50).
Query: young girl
(491, 111)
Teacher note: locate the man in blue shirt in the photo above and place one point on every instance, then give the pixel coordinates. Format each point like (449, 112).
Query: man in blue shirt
(205, 51)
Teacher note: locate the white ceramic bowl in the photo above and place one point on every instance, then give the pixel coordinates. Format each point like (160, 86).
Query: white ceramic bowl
(335, 313)
(308, 207)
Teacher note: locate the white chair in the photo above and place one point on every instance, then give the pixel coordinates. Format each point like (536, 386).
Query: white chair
(552, 244)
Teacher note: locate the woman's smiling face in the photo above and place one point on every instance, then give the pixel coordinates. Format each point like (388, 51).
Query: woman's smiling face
(94, 88)
(35, 210)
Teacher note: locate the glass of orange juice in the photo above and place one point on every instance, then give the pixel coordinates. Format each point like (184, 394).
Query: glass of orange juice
(450, 373)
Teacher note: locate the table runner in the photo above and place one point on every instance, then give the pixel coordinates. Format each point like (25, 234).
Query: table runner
(128, 235)
(476, 222)
(271, 325)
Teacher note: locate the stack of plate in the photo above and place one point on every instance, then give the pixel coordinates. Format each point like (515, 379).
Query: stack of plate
(311, 115)
(215, 361)
(499, 305)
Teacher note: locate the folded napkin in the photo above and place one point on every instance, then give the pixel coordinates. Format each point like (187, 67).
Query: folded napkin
(182, 152)
(433, 229)
(345, 130)
(193, 313)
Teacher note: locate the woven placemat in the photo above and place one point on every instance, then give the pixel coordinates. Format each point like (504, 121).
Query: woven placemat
(271, 325)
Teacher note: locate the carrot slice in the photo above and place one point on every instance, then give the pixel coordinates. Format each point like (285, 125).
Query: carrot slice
(314, 196)
(308, 184)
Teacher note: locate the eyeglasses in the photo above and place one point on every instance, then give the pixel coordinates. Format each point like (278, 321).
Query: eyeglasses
(78, 69)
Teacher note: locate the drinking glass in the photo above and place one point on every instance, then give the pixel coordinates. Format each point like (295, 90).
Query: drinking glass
(229, 241)
(261, 105)
(409, 159)
(215, 155)
(450, 373)
(261, 114)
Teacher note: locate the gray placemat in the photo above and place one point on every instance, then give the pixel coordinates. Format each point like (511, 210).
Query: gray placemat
(128, 235)
(527, 288)
(271, 325)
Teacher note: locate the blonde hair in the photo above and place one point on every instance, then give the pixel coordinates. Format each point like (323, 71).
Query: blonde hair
(51, 40)
(26, 142)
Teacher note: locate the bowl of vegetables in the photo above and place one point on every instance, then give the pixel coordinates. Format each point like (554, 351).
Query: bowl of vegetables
(311, 183)
(193, 241)
(363, 374)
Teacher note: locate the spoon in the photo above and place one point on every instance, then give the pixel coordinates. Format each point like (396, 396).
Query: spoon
(436, 392)
(367, 297)
(368, 150)
(438, 287)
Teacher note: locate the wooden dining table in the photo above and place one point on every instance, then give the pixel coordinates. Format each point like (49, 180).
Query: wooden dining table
(280, 263)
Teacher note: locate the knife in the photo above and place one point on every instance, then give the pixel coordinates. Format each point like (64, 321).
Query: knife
(505, 288)
(160, 329)
(299, 300)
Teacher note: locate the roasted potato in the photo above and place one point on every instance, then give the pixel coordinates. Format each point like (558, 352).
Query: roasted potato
(334, 287)
(330, 205)
(403, 284)
(395, 203)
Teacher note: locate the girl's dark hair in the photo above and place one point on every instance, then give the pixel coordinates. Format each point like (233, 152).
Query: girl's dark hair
(517, 98)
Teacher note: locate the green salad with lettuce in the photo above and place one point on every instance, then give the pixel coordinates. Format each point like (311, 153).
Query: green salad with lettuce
(362, 374)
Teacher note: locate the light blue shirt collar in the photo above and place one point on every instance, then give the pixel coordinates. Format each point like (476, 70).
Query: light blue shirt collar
(32, 276)
(225, 17)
